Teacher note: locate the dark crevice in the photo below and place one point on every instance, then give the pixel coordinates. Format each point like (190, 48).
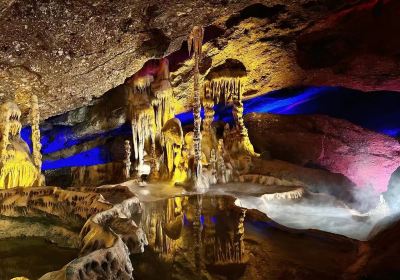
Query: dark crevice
(257, 11)
(156, 45)
(230, 68)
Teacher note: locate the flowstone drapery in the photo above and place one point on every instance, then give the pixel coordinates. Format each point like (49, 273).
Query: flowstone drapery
(227, 87)
(17, 167)
(150, 105)
(198, 158)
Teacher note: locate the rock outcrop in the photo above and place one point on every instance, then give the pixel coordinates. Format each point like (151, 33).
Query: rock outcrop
(108, 219)
(367, 158)
(54, 49)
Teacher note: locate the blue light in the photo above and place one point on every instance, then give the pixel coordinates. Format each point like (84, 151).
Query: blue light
(377, 111)
(97, 155)
(202, 219)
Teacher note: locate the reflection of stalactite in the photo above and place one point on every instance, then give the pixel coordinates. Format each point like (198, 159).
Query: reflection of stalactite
(195, 40)
(197, 230)
(127, 160)
(230, 248)
(238, 238)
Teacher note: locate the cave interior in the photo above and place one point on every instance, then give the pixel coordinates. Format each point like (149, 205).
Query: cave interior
(223, 139)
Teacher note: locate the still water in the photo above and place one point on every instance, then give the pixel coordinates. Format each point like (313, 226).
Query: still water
(209, 237)
(31, 257)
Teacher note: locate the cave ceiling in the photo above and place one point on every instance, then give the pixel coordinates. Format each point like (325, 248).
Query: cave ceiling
(70, 52)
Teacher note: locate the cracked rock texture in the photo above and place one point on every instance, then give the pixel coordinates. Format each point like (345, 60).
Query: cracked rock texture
(69, 52)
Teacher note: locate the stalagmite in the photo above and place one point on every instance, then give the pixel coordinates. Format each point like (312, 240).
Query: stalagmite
(172, 143)
(17, 167)
(213, 166)
(127, 160)
(195, 40)
(36, 145)
(208, 104)
(222, 177)
(153, 160)
(228, 88)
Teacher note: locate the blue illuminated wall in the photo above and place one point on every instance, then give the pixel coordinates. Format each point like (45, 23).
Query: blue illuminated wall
(378, 111)
(62, 137)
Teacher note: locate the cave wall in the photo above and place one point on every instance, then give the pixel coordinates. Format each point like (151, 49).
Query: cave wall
(90, 140)
(54, 49)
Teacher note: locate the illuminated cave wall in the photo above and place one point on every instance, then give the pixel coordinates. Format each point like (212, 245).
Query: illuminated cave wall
(94, 135)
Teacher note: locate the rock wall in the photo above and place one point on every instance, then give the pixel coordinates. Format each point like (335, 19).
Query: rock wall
(367, 158)
(55, 50)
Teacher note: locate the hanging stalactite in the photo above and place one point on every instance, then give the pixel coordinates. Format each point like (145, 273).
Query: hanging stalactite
(151, 105)
(226, 89)
(142, 128)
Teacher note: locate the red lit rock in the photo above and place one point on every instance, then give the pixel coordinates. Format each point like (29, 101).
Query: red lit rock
(367, 158)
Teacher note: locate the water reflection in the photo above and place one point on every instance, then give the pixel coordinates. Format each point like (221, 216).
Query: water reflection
(206, 231)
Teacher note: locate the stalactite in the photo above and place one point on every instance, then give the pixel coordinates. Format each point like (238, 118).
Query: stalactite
(36, 145)
(142, 127)
(195, 40)
(127, 160)
(151, 105)
(228, 89)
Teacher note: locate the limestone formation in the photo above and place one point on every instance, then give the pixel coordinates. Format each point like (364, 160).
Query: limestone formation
(150, 107)
(195, 40)
(109, 233)
(17, 166)
(225, 85)
(172, 142)
(36, 145)
(127, 160)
